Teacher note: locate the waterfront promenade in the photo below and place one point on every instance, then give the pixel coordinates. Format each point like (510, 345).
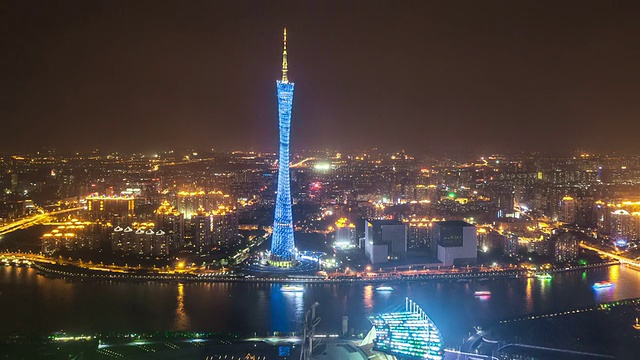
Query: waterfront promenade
(71, 269)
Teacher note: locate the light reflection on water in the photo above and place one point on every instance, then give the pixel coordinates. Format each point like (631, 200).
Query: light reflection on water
(295, 303)
(614, 273)
(368, 297)
(182, 318)
(528, 295)
(545, 287)
(40, 304)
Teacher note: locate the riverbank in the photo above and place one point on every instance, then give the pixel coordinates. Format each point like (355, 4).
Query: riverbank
(75, 272)
(84, 305)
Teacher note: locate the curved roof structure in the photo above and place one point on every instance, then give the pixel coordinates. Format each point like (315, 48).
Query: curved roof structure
(407, 334)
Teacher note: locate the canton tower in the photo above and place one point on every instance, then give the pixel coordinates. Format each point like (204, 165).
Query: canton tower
(282, 244)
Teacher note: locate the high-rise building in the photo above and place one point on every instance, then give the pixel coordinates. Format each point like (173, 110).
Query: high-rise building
(161, 244)
(14, 182)
(565, 248)
(202, 229)
(510, 244)
(623, 227)
(603, 216)
(72, 236)
(385, 240)
(282, 243)
(502, 198)
(568, 210)
(142, 240)
(171, 222)
(585, 216)
(457, 242)
(345, 233)
(116, 209)
(225, 228)
(189, 203)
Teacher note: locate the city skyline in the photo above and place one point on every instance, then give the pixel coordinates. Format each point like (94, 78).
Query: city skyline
(477, 162)
(435, 78)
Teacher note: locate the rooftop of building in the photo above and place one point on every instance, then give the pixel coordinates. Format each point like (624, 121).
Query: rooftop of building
(385, 222)
(453, 223)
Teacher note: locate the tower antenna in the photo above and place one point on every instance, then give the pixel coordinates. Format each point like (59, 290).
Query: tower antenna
(285, 78)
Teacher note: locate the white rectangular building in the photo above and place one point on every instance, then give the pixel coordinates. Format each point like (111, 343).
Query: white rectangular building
(457, 242)
(385, 240)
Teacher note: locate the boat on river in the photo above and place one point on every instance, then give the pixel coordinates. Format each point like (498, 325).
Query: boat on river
(292, 288)
(384, 288)
(603, 285)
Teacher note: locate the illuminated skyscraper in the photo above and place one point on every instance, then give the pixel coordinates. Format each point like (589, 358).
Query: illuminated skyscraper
(622, 227)
(282, 244)
(568, 210)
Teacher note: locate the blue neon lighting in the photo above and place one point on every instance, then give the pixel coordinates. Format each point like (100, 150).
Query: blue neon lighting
(282, 243)
(409, 333)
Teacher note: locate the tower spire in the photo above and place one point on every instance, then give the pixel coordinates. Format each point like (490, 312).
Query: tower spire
(285, 78)
(283, 248)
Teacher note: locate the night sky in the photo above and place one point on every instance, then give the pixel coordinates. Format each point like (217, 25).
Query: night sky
(425, 76)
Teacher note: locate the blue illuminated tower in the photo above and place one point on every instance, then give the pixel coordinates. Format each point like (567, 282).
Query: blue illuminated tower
(282, 244)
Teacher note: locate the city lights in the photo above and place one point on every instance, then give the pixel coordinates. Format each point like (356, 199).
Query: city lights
(484, 161)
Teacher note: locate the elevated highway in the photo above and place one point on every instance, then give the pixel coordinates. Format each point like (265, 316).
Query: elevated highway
(31, 220)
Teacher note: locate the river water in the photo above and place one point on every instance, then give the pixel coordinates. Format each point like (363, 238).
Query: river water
(32, 303)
